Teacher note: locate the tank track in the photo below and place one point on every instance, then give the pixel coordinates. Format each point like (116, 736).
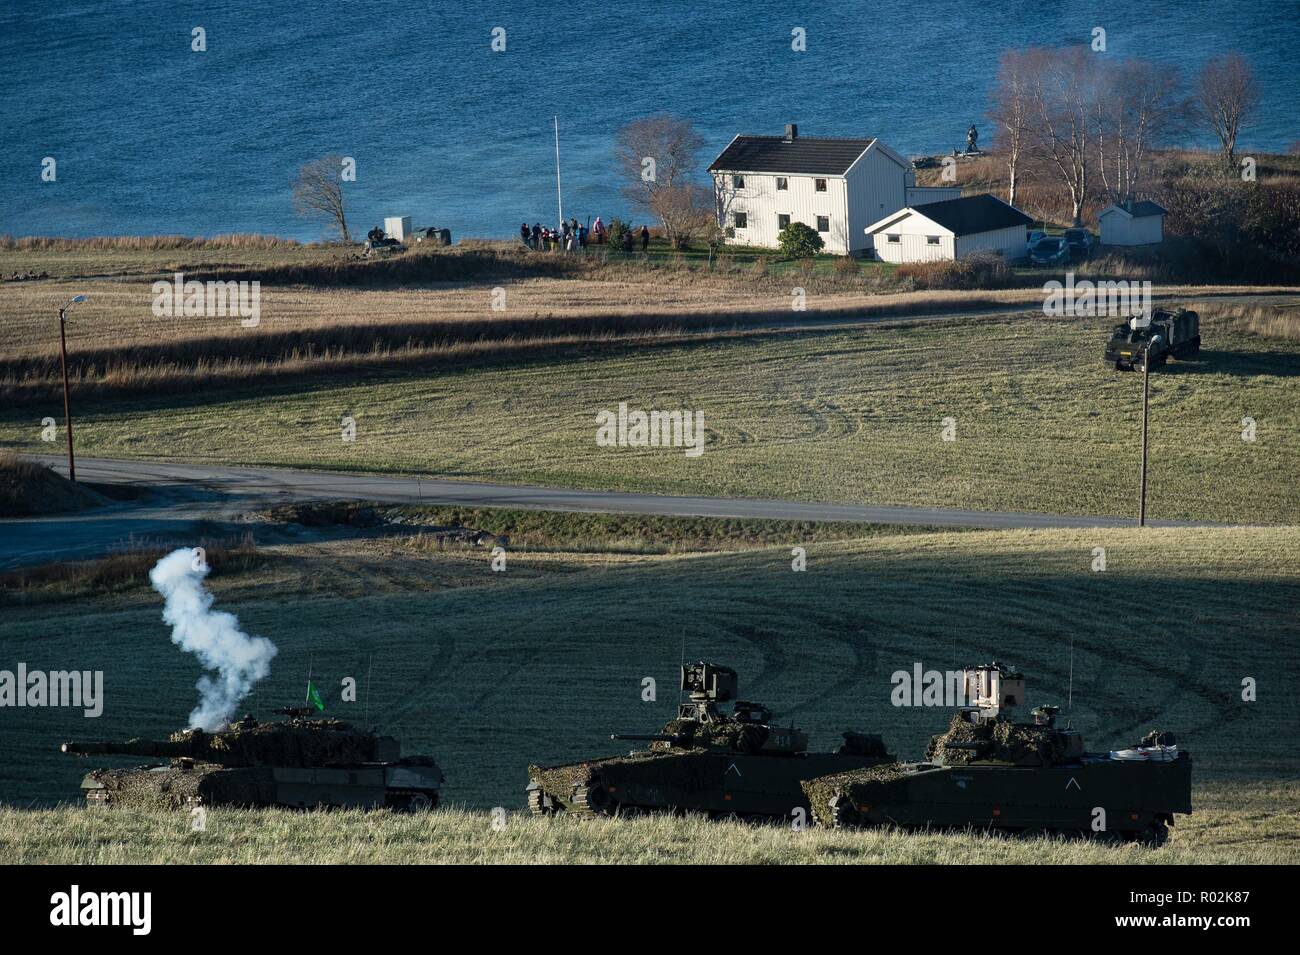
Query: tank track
(539, 803)
(591, 800)
(410, 800)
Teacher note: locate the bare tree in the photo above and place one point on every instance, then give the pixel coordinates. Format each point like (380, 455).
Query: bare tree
(1011, 114)
(1137, 105)
(318, 193)
(658, 156)
(1227, 95)
(1062, 89)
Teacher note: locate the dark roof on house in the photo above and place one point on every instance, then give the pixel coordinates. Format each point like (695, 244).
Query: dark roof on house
(806, 154)
(1144, 207)
(971, 214)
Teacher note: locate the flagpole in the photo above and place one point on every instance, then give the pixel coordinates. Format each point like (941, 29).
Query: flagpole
(559, 199)
(307, 698)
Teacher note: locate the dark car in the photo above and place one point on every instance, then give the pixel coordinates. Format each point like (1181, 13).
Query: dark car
(1049, 251)
(1079, 242)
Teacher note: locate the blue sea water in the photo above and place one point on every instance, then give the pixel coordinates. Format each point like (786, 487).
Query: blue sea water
(151, 137)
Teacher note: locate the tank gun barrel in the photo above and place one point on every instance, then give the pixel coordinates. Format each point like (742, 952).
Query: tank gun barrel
(645, 737)
(974, 744)
(132, 747)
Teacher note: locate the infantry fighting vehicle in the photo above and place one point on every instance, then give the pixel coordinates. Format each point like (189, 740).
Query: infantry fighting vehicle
(1165, 334)
(706, 760)
(989, 772)
(297, 762)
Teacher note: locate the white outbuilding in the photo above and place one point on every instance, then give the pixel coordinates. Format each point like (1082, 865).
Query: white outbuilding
(948, 230)
(837, 186)
(1132, 223)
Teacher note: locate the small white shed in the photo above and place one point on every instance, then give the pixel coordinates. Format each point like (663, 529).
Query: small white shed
(951, 229)
(398, 227)
(1132, 223)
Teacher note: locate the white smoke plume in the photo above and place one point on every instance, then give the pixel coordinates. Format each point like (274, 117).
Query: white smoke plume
(212, 635)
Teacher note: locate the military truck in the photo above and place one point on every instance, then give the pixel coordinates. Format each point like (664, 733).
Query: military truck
(989, 772)
(297, 762)
(723, 764)
(1165, 334)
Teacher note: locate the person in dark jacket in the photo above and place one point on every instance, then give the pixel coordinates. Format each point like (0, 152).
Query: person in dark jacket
(537, 235)
(525, 234)
(645, 238)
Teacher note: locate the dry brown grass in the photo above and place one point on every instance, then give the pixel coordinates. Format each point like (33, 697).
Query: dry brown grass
(121, 571)
(117, 346)
(150, 243)
(28, 488)
(1264, 321)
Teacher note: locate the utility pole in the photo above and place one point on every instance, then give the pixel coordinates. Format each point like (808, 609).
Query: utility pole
(67, 395)
(1146, 400)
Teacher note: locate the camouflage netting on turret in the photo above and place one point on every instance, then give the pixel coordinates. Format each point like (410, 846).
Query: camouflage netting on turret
(858, 785)
(740, 737)
(295, 744)
(1020, 744)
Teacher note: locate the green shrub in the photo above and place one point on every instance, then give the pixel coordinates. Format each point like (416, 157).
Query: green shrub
(617, 229)
(799, 241)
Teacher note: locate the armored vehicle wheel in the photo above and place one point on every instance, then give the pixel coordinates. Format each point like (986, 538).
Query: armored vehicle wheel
(539, 803)
(593, 798)
(411, 801)
(1154, 836)
(844, 815)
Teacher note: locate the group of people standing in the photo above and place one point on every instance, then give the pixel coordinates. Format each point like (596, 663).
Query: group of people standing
(572, 236)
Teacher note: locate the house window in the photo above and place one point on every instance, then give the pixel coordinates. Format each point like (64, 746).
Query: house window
(742, 219)
(931, 240)
(893, 237)
(823, 223)
(782, 221)
(782, 184)
(738, 182)
(819, 185)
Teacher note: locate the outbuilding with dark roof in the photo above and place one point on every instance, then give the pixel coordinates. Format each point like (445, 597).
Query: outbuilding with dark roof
(950, 229)
(1136, 222)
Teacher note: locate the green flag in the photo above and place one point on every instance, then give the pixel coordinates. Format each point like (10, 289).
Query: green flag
(313, 696)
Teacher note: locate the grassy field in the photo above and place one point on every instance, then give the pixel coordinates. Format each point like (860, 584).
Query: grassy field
(1250, 832)
(844, 413)
(489, 671)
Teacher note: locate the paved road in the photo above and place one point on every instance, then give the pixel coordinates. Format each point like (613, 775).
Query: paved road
(181, 502)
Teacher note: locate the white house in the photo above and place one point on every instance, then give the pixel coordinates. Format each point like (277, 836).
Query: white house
(949, 230)
(836, 186)
(1133, 223)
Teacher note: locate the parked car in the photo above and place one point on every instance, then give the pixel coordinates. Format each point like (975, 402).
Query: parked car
(1051, 250)
(1079, 242)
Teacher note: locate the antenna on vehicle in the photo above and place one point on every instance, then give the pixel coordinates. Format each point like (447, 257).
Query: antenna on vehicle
(679, 685)
(1069, 699)
(369, 669)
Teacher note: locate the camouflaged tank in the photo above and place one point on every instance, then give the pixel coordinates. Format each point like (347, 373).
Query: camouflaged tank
(988, 772)
(707, 761)
(296, 762)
